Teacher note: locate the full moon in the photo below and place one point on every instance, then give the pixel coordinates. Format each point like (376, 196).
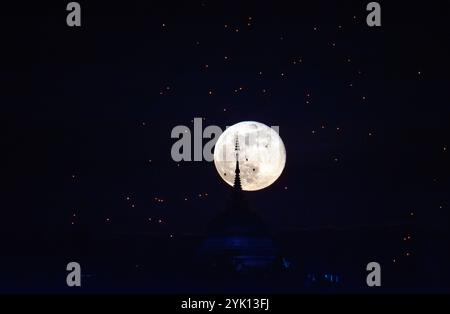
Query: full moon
(262, 155)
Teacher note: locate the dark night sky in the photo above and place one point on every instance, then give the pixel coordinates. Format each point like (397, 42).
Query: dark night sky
(363, 112)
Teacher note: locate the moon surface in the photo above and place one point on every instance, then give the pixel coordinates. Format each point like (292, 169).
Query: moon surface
(262, 155)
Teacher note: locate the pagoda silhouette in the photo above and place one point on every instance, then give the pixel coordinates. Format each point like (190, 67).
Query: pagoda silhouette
(238, 240)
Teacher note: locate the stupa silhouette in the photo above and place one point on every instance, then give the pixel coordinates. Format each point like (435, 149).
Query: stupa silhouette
(238, 240)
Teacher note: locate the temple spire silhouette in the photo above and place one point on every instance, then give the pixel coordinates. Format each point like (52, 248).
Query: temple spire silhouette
(237, 178)
(238, 240)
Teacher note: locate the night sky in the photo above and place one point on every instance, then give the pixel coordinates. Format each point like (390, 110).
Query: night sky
(363, 113)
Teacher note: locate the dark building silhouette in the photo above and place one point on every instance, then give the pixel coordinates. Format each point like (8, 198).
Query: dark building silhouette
(238, 240)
